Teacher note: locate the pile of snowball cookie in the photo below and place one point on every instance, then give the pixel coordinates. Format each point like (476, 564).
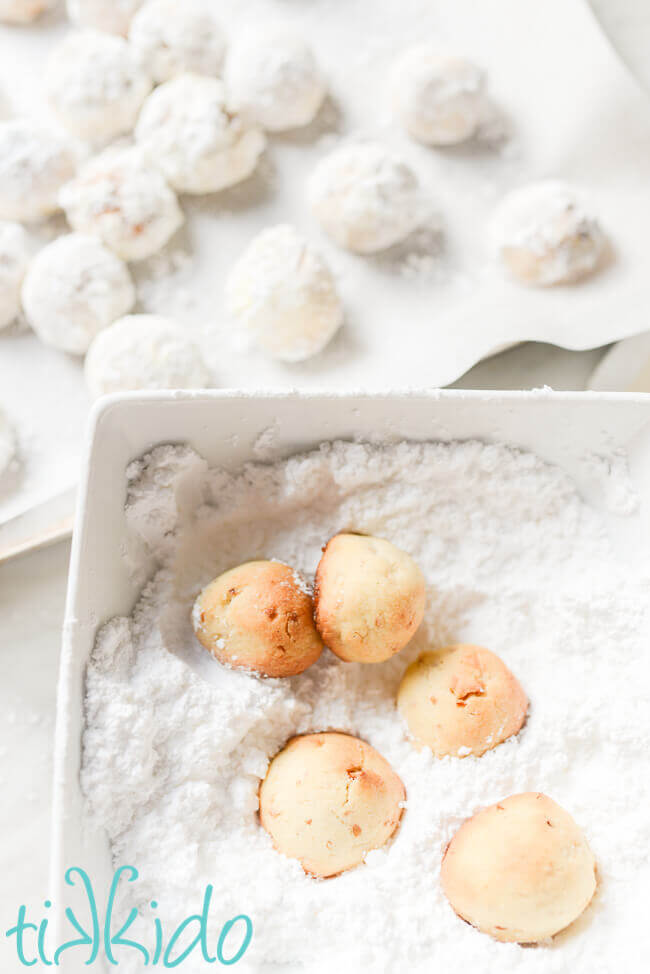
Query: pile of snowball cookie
(197, 111)
(520, 870)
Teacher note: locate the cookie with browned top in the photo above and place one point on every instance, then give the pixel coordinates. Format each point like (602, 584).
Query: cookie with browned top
(258, 616)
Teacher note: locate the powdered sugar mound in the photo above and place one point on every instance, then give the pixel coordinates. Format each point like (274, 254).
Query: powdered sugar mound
(514, 559)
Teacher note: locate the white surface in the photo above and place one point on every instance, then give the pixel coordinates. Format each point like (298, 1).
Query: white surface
(32, 592)
(565, 429)
(584, 121)
(626, 366)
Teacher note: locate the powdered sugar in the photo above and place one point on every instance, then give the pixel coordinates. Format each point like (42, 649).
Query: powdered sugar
(175, 745)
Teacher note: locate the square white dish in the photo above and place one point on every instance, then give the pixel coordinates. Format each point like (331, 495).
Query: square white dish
(228, 430)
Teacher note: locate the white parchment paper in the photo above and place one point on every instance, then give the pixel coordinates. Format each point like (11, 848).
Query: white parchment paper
(427, 311)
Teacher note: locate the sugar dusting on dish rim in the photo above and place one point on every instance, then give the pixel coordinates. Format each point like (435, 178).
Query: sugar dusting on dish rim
(175, 745)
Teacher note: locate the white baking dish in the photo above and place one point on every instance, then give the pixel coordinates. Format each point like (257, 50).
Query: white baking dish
(569, 429)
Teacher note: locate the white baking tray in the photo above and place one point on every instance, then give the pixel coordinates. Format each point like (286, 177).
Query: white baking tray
(569, 429)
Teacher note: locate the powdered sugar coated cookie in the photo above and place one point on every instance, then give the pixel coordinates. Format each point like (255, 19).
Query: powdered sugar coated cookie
(144, 352)
(95, 85)
(188, 130)
(544, 235)
(438, 99)
(125, 201)
(365, 197)
(75, 287)
(169, 39)
(34, 164)
(283, 294)
(274, 80)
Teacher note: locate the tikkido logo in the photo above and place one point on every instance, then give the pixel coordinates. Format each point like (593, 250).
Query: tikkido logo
(95, 938)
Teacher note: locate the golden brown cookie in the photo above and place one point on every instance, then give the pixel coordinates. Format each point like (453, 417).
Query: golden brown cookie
(259, 617)
(461, 700)
(520, 870)
(328, 799)
(369, 598)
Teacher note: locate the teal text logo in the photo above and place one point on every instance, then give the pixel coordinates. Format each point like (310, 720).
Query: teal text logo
(97, 935)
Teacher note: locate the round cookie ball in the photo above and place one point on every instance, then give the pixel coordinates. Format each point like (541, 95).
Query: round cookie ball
(284, 296)
(365, 197)
(14, 258)
(143, 352)
(369, 598)
(438, 99)
(170, 38)
(543, 235)
(95, 86)
(258, 616)
(112, 16)
(274, 81)
(188, 130)
(23, 11)
(34, 164)
(73, 288)
(461, 700)
(328, 799)
(520, 870)
(119, 197)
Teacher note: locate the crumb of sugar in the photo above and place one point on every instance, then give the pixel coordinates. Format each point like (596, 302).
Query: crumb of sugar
(175, 745)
